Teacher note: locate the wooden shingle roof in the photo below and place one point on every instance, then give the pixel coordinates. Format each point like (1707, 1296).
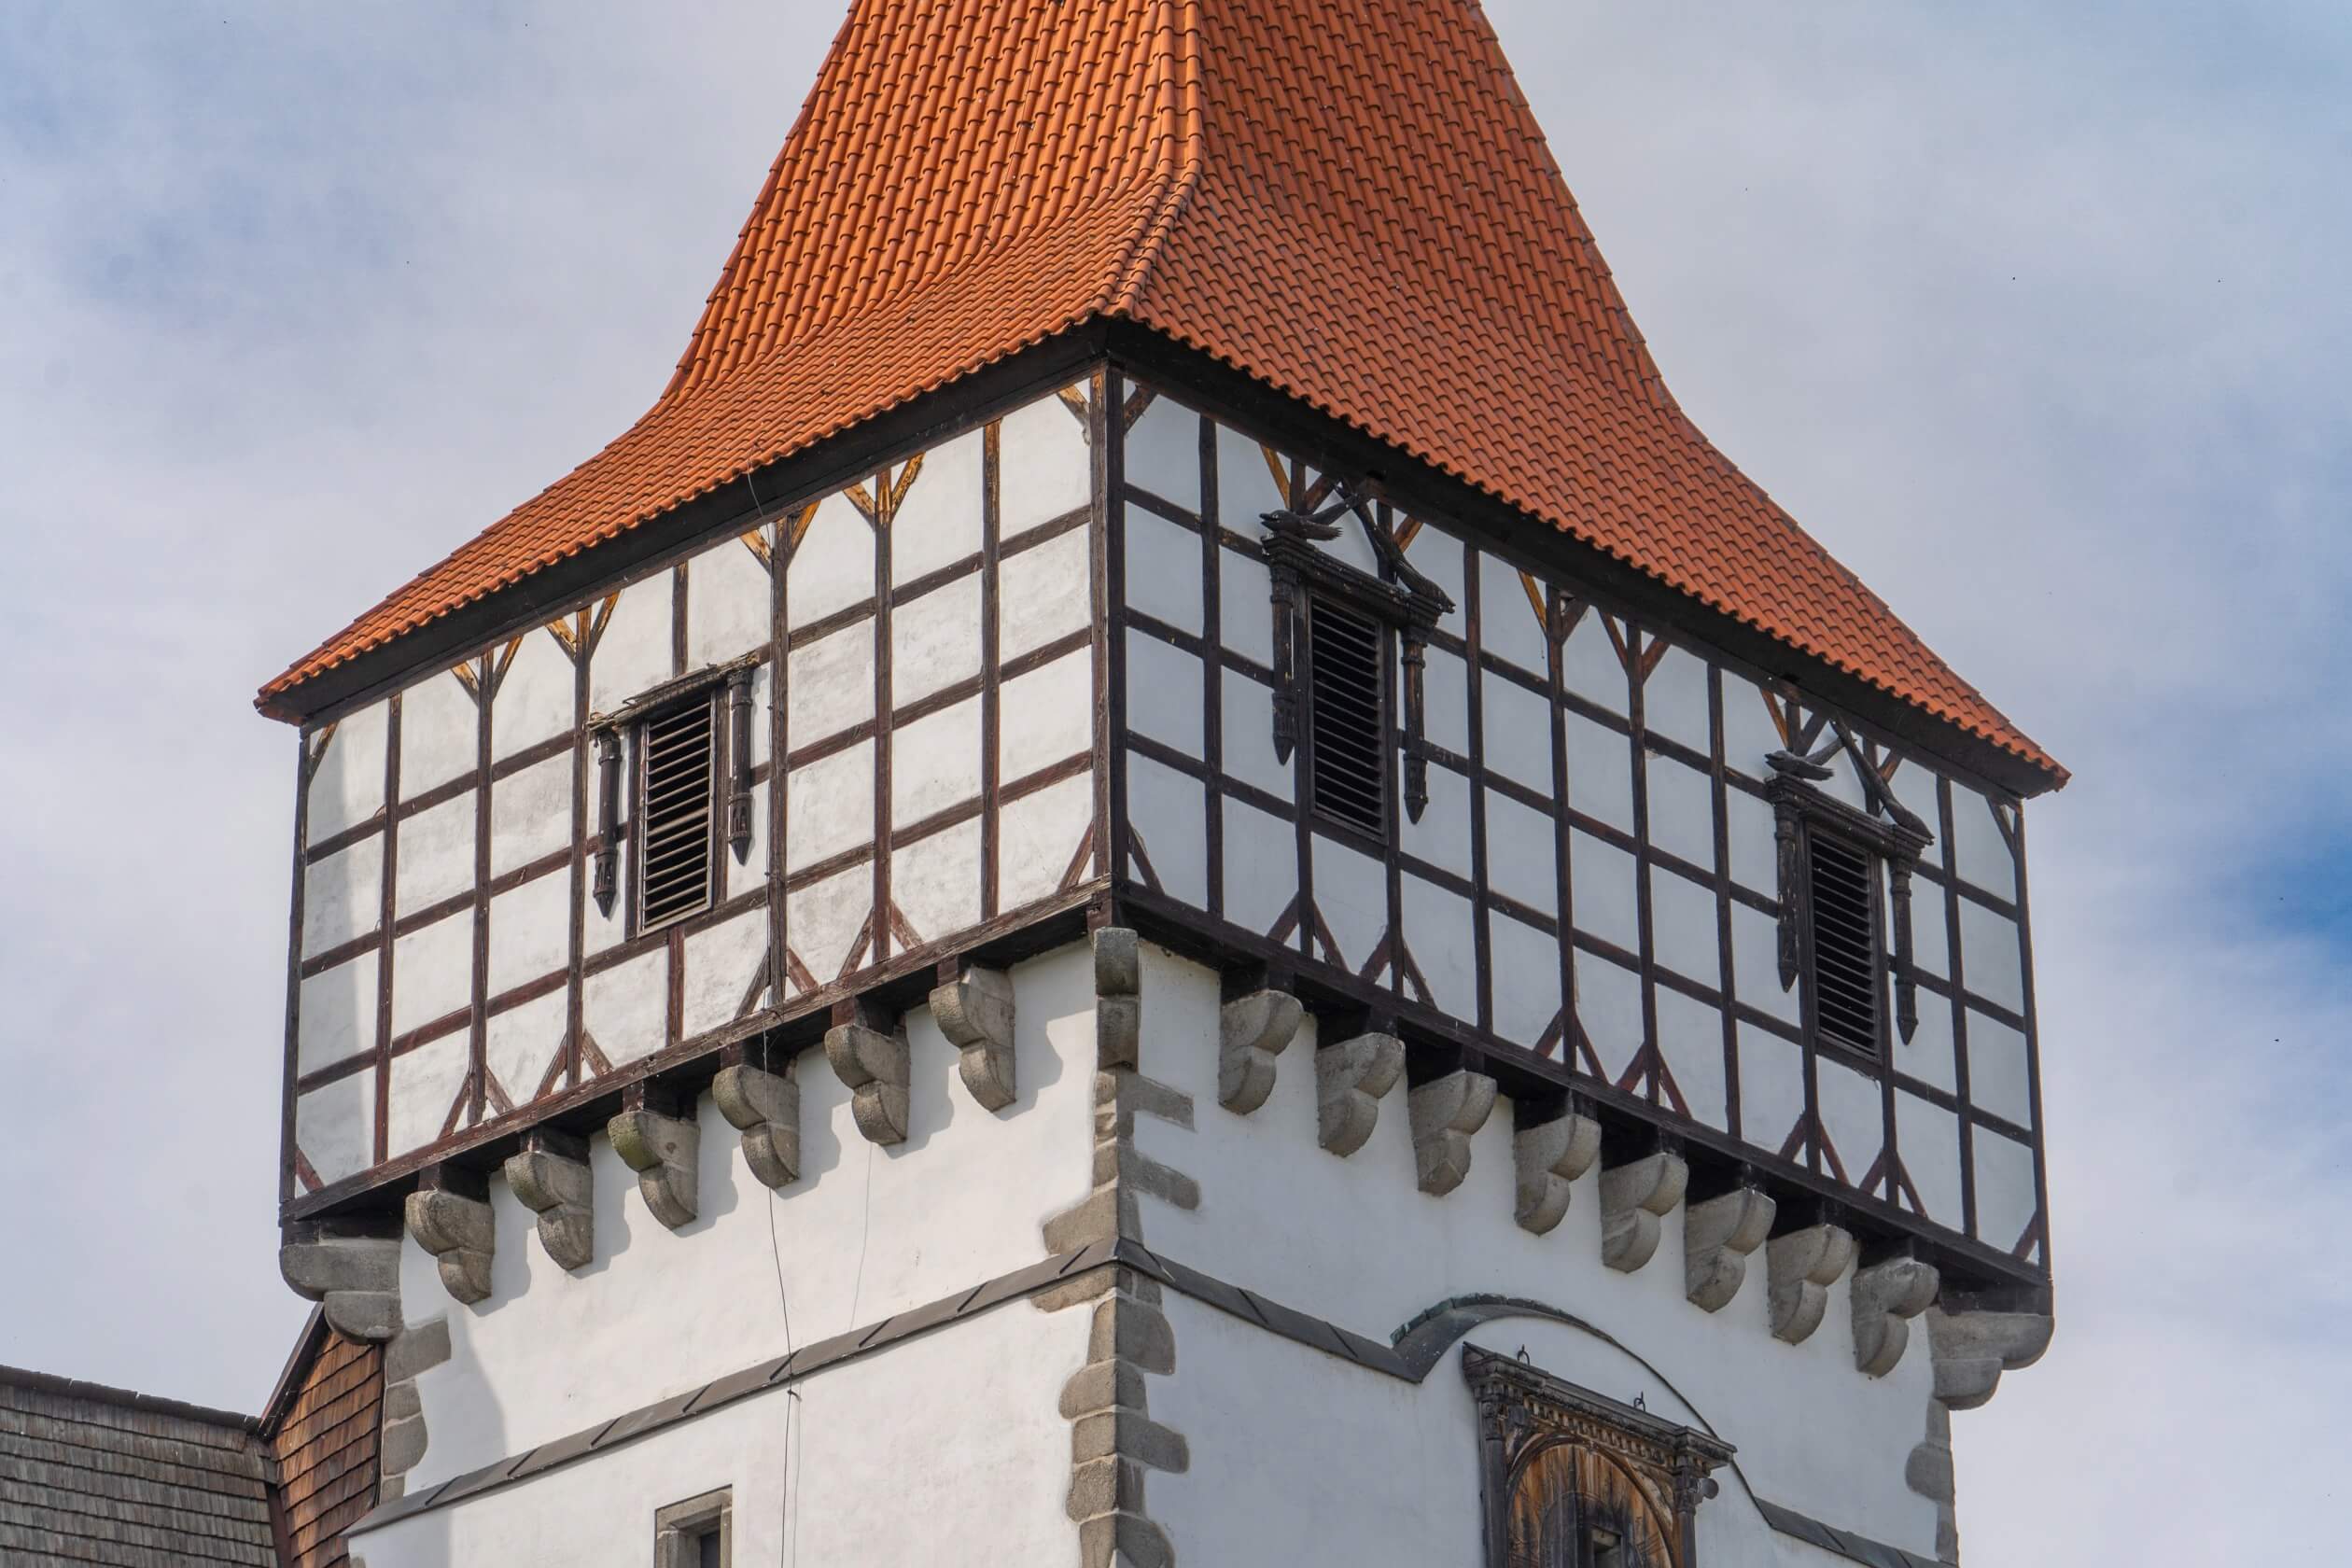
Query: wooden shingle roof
(323, 1427)
(1348, 201)
(98, 1475)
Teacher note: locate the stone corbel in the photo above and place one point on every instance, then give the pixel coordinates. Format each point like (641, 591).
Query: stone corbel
(1118, 963)
(874, 1064)
(1444, 1113)
(1635, 1199)
(1351, 1078)
(1251, 1030)
(662, 1151)
(352, 1269)
(1548, 1157)
(764, 1107)
(449, 1216)
(973, 1008)
(552, 1178)
(1801, 1266)
(1886, 1296)
(1972, 1349)
(1718, 1237)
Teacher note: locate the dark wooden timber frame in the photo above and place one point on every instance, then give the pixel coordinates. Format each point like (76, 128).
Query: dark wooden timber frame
(578, 592)
(897, 966)
(1524, 1412)
(1643, 1104)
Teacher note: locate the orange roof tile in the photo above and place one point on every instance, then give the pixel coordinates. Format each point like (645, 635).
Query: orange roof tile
(1347, 199)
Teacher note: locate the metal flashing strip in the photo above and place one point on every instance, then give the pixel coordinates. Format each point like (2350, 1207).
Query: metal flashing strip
(1844, 1543)
(774, 1373)
(1411, 1363)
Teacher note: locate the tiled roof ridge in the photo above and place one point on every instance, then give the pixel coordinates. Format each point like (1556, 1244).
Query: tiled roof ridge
(1179, 88)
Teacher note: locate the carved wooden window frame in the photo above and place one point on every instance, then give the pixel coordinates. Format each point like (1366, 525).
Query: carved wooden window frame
(1526, 1415)
(680, 1529)
(1403, 604)
(1800, 812)
(621, 733)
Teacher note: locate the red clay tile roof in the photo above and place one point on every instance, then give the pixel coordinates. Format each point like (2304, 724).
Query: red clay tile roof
(1347, 199)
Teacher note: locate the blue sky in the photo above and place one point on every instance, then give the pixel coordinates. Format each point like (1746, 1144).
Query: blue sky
(2033, 315)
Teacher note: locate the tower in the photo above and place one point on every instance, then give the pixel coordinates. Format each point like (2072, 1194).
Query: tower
(1163, 871)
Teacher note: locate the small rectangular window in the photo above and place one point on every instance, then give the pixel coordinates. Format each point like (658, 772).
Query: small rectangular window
(698, 1533)
(1843, 886)
(1347, 719)
(678, 799)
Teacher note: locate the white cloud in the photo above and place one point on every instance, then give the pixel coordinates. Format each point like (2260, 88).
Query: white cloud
(2033, 319)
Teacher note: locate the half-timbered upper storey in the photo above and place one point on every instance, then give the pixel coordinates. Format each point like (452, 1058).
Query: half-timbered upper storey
(1184, 461)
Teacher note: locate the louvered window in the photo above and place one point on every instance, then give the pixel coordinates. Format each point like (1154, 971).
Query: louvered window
(1346, 716)
(677, 838)
(1843, 942)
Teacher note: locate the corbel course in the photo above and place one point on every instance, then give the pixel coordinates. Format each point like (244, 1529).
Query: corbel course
(662, 1151)
(449, 1216)
(874, 1067)
(764, 1107)
(1718, 1237)
(1801, 1266)
(1549, 1156)
(552, 1178)
(1252, 1031)
(1444, 1113)
(1634, 1198)
(1886, 1296)
(974, 1011)
(1351, 1078)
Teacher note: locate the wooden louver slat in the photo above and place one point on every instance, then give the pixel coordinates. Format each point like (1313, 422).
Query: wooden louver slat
(1348, 724)
(680, 777)
(1845, 958)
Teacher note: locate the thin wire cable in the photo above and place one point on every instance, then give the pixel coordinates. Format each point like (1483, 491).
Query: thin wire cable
(866, 1233)
(793, 1413)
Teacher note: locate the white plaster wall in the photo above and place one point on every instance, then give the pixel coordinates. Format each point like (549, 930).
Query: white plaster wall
(866, 1232)
(1355, 1242)
(1045, 467)
(945, 1449)
(346, 787)
(1297, 1456)
(440, 733)
(334, 1125)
